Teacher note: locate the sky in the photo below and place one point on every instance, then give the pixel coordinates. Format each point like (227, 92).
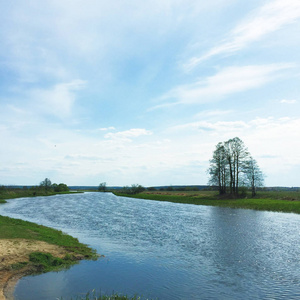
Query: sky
(141, 92)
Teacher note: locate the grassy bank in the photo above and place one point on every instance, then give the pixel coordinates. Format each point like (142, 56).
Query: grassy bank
(44, 262)
(19, 229)
(268, 201)
(21, 193)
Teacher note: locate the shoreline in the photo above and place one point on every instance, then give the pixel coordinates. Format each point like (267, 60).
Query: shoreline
(27, 248)
(9, 285)
(15, 252)
(20, 239)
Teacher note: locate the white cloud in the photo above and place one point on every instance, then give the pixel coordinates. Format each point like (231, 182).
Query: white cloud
(288, 101)
(106, 128)
(228, 127)
(227, 81)
(57, 100)
(127, 135)
(265, 20)
(213, 113)
(267, 128)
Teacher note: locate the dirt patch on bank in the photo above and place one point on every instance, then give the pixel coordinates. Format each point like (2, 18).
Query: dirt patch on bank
(14, 251)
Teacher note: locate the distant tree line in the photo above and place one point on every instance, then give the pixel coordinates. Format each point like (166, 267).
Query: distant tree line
(137, 188)
(44, 188)
(232, 166)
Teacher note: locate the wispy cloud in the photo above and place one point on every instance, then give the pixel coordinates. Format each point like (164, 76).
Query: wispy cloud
(213, 113)
(220, 126)
(106, 128)
(285, 101)
(227, 81)
(57, 100)
(261, 22)
(127, 135)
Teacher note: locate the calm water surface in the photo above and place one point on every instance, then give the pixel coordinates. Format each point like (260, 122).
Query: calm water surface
(165, 250)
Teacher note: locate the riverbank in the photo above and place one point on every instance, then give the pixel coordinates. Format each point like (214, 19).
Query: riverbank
(27, 248)
(33, 192)
(15, 261)
(268, 201)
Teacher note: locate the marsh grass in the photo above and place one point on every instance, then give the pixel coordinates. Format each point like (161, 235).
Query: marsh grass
(279, 201)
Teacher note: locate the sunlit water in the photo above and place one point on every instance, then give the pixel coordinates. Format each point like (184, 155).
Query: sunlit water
(166, 251)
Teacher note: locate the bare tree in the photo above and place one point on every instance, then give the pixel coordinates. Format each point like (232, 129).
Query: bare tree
(230, 163)
(218, 168)
(237, 154)
(253, 174)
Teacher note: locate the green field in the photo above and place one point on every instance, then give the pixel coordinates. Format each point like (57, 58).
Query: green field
(269, 201)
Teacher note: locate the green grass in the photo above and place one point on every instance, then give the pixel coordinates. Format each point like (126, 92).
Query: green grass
(12, 193)
(20, 193)
(268, 201)
(41, 262)
(45, 262)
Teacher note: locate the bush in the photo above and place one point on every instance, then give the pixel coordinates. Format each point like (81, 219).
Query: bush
(45, 261)
(134, 189)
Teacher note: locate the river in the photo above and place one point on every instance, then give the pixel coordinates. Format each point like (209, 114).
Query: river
(166, 251)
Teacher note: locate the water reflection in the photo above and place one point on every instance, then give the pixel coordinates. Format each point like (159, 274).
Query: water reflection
(166, 250)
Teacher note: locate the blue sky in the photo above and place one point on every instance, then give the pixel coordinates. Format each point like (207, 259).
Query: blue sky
(129, 92)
